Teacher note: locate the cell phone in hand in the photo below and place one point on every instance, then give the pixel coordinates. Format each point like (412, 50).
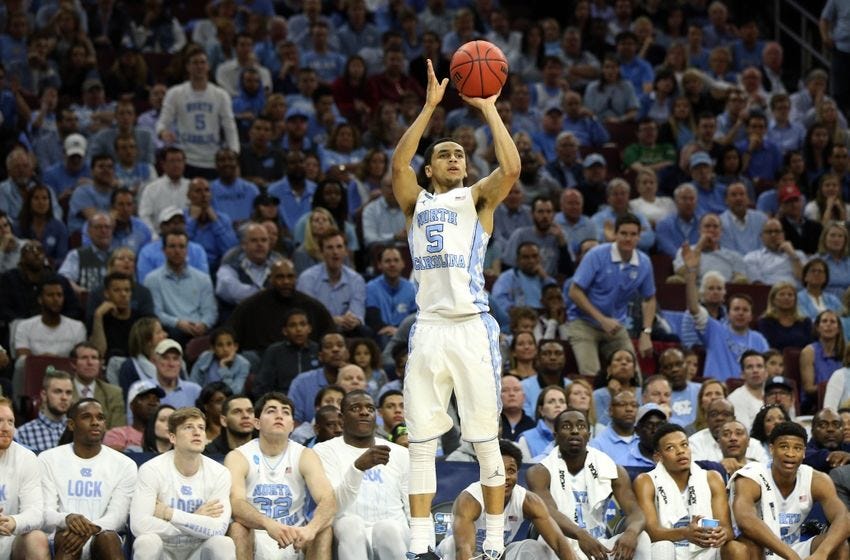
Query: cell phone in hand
(709, 523)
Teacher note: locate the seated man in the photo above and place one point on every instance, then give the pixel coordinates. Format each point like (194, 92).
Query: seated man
(210, 228)
(749, 397)
(43, 433)
(728, 263)
(181, 506)
(826, 448)
(21, 502)
(114, 317)
(704, 446)
(673, 515)
(523, 285)
(791, 489)
(152, 255)
(245, 271)
(389, 297)
(144, 402)
(85, 266)
(777, 260)
(579, 510)
(734, 441)
(683, 398)
(87, 368)
(87, 488)
(370, 478)
(237, 426)
(256, 486)
(468, 528)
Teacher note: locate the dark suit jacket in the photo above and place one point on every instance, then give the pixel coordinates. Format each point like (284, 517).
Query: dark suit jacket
(112, 399)
(808, 240)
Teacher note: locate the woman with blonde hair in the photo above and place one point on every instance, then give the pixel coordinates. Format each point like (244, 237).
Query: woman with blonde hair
(783, 324)
(580, 397)
(834, 248)
(551, 402)
(710, 391)
(145, 334)
(822, 357)
(320, 222)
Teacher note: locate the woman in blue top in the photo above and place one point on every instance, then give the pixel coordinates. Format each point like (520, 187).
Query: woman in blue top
(621, 373)
(820, 359)
(36, 221)
(612, 98)
(812, 299)
(834, 248)
(342, 148)
(782, 323)
(550, 403)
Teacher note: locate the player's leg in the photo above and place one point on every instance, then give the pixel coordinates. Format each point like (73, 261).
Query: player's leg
(525, 550)
(734, 550)
(243, 540)
(107, 546)
(68, 545)
(390, 538)
(643, 549)
(322, 546)
(266, 548)
(584, 340)
(147, 547)
(752, 549)
(219, 547)
(807, 548)
(31, 545)
(350, 535)
(664, 549)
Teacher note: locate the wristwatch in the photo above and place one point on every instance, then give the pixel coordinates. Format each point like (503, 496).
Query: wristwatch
(647, 331)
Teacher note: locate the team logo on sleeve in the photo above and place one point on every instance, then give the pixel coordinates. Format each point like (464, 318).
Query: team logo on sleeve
(186, 490)
(86, 472)
(256, 460)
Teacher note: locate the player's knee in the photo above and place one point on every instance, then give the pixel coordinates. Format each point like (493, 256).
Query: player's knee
(389, 531)
(147, 547)
(663, 549)
(349, 529)
(220, 547)
(530, 550)
(423, 474)
(492, 468)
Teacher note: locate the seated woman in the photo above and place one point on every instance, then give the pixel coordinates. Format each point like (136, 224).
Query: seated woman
(36, 221)
(580, 397)
(155, 437)
(834, 248)
(709, 391)
(654, 208)
(822, 357)
(782, 323)
(523, 352)
(767, 418)
(309, 253)
(145, 334)
(612, 98)
(620, 373)
(550, 403)
(828, 206)
(812, 299)
(330, 195)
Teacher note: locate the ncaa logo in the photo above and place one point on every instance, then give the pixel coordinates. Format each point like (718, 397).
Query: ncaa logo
(186, 490)
(85, 471)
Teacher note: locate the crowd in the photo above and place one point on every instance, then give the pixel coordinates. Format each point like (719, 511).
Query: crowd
(198, 231)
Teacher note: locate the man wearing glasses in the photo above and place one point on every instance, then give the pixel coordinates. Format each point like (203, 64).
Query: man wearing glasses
(777, 261)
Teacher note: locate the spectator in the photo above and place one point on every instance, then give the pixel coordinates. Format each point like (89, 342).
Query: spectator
(389, 297)
(510, 215)
(826, 448)
(768, 418)
(822, 357)
(10, 246)
(514, 419)
(618, 440)
(580, 64)
(130, 172)
(777, 260)
(577, 227)
(155, 437)
(85, 267)
(729, 264)
(583, 123)
(125, 125)
(87, 366)
(169, 190)
(341, 287)
(612, 98)
(114, 314)
(198, 125)
(44, 431)
(647, 152)
(812, 299)
(183, 296)
(36, 222)
(565, 169)
(211, 229)
(49, 145)
(223, 363)
(333, 355)
(64, 176)
(533, 180)
(748, 399)
(787, 135)
(245, 271)
(552, 125)
(20, 169)
(383, 221)
(547, 369)
(151, 256)
(548, 236)
(681, 227)
(523, 351)
(619, 374)
(260, 163)
(724, 344)
(684, 394)
(828, 205)
(704, 444)
(393, 83)
(209, 402)
(834, 248)
(617, 194)
(653, 208)
(551, 402)
(95, 113)
(633, 68)
(231, 195)
(129, 231)
(89, 198)
(237, 426)
(168, 360)
(145, 334)
(144, 402)
(294, 191)
(783, 325)
(741, 225)
(799, 230)
(523, 285)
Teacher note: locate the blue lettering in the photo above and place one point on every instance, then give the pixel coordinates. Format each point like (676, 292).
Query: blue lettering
(374, 475)
(85, 488)
(439, 261)
(3, 494)
(789, 518)
(436, 215)
(199, 106)
(189, 506)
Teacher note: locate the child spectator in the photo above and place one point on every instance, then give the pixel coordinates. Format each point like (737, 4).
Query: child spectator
(222, 363)
(365, 354)
(284, 360)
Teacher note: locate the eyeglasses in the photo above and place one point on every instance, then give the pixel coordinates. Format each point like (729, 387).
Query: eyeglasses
(772, 231)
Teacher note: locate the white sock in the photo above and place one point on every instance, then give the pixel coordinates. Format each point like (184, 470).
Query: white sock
(495, 536)
(421, 534)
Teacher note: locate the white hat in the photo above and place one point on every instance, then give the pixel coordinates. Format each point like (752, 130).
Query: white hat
(75, 145)
(166, 345)
(144, 386)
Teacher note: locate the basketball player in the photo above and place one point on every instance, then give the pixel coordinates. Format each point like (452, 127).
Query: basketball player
(181, 508)
(468, 527)
(676, 495)
(370, 479)
(454, 344)
(21, 515)
(87, 488)
(770, 503)
(270, 480)
(576, 483)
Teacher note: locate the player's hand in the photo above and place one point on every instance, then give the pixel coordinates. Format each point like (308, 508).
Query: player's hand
(592, 548)
(372, 457)
(481, 102)
(79, 525)
(7, 524)
(436, 89)
(162, 511)
(304, 536)
(624, 548)
(72, 544)
(609, 325)
(213, 508)
(283, 534)
(700, 536)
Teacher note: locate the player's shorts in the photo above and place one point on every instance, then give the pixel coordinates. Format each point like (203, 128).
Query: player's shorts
(458, 354)
(6, 543)
(266, 548)
(803, 548)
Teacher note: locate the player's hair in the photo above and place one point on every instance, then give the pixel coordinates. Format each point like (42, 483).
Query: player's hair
(75, 408)
(510, 449)
(324, 391)
(272, 396)
(182, 415)
(351, 394)
(391, 393)
(749, 354)
(429, 151)
(665, 429)
(627, 218)
(52, 374)
(788, 429)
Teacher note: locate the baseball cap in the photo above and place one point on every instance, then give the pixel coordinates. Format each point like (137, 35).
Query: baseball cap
(699, 158)
(169, 212)
(646, 409)
(75, 145)
(789, 192)
(266, 200)
(297, 111)
(92, 83)
(553, 107)
(779, 381)
(594, 159)
(166, 345)
(143, 387)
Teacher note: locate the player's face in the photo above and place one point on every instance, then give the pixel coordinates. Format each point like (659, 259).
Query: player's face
(190, 436)
(787, 453)
(448, 164)
(572, 433)
(511, 474)
(275, 419)
(359, 416)
(392, 412)
(89, 425)
(674, 452)
(7, 427)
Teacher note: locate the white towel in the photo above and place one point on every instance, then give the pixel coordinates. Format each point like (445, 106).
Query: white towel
(671, 507)
(760, 474)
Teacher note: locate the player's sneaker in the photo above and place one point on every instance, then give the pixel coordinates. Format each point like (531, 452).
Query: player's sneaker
(430, 555)
(488, 555)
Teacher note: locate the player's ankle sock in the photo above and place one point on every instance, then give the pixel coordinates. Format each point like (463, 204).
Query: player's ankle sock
(421, 534)
(494, 538)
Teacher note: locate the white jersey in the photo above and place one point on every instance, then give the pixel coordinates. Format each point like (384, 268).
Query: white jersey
(377, 494)
(20, 488)
(159, 480)
(447, 245)
(274, 484)
(513, 514)
(99, 488)
(199, 118)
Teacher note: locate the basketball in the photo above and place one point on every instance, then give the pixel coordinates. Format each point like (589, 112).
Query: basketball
(479, 69)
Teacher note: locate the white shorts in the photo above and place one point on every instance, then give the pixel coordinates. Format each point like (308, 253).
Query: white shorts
(6, 543)
(803, 548)
(462, 355)
(266, 548)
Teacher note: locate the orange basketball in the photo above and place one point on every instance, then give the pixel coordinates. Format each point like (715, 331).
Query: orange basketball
(479, 69)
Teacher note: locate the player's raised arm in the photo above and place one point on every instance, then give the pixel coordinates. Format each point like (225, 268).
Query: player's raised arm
(405, 186)
(496, 186)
